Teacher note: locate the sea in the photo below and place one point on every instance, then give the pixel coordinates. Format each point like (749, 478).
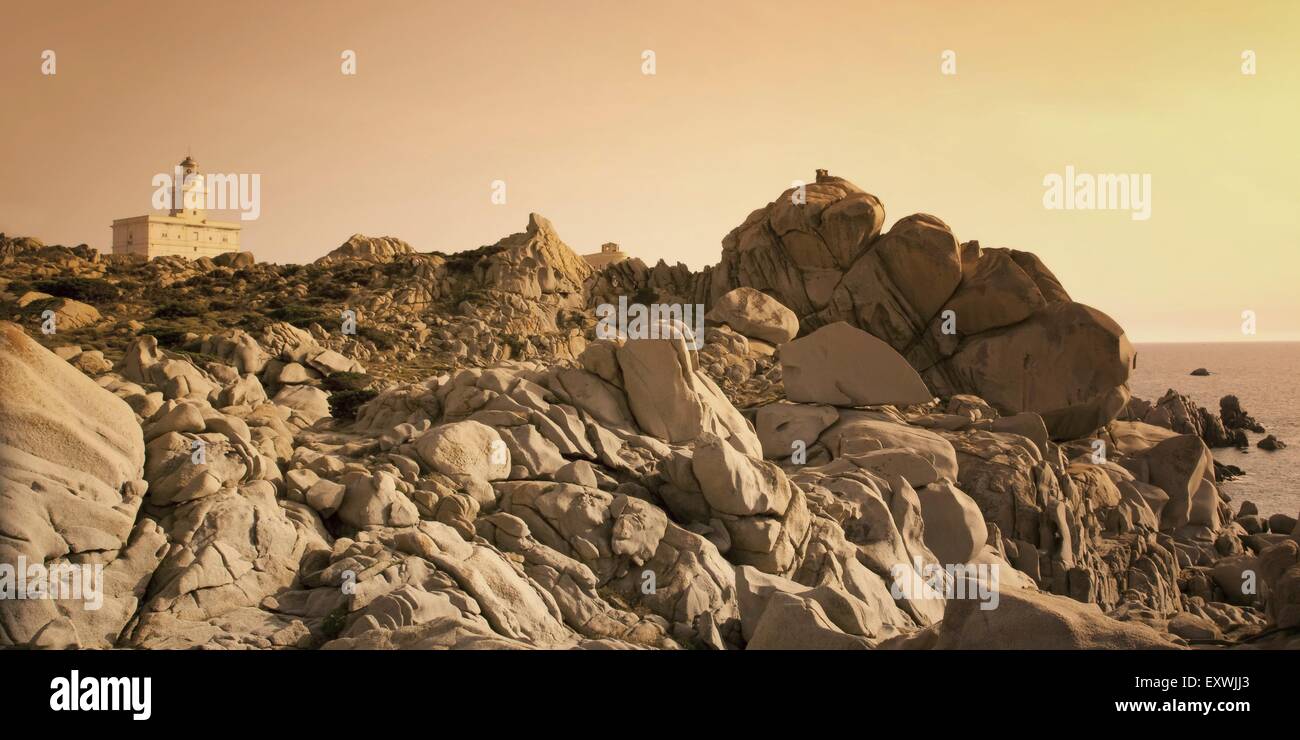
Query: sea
(1265, 376)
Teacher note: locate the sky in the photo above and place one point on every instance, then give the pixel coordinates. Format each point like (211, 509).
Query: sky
(552, 99)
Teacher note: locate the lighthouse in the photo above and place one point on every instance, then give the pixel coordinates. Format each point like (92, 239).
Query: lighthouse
(186, 230)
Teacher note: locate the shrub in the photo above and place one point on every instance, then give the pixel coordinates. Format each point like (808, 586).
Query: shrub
(382, 339)
(331, 292)
(358, 275)
(344, 404)
(299, 315)
(334, 622)
(253, 322)
(89, 290)
(346, 381)
(179, 310)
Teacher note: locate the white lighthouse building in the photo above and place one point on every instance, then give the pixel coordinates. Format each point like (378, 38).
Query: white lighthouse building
(186, 230)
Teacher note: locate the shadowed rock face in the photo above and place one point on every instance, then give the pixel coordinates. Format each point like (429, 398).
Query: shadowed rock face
(1068, 362)
(1013, 336)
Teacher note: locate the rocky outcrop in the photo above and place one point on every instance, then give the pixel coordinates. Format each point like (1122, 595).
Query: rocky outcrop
(1036, 365)
(367, 249)
(71, 458)
(994, 323)
(533, 264)
(1235, 417)
(1179, 413)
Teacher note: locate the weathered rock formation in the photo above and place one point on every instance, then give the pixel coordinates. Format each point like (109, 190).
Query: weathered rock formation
(1013, 336)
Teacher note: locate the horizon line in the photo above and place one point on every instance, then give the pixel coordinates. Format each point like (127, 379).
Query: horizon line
(1216, 341)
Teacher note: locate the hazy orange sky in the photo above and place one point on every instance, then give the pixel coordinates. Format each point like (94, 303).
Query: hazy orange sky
(747, 96)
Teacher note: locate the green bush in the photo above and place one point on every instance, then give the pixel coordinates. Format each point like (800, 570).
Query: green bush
(346, 381)
(382, 339)
(179, 310)
(334, 622)
(253, 322)
(300, 316)
(344, 404)
(331, 292)
(89, 290)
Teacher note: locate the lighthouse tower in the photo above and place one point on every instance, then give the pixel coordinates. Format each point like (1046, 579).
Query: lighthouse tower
(187, 191)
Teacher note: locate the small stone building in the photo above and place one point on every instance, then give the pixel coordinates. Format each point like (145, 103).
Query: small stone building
(608, 255)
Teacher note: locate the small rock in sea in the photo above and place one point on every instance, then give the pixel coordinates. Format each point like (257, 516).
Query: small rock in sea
(1271, 443)
(1282, 524)
(1224, 471)
(1235, 417)
(1200, 371)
